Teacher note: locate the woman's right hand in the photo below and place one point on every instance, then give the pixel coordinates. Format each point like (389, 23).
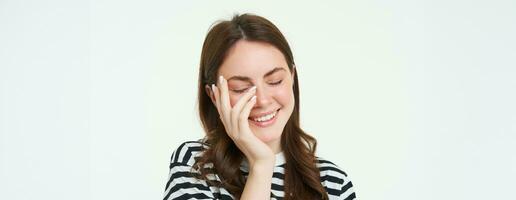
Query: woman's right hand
(235, 120)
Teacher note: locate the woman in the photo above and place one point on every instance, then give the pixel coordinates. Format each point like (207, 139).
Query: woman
(249, 107)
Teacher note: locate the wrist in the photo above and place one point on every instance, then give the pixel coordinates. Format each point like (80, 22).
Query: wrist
(262, 166)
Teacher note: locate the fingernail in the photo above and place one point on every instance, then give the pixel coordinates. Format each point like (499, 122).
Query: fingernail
(253, 98)
(253, 88)
(220, 79)
(213, 87)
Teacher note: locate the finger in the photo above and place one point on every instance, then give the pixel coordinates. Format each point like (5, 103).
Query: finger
(222, 118)
(225, 106)
(237, 108)
(244, 99)
(216, 96)
(224, 94)
(244, 115)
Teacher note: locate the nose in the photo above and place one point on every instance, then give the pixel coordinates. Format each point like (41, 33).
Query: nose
(263, 97)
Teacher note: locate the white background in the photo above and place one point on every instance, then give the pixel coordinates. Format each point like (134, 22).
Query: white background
(413, 99)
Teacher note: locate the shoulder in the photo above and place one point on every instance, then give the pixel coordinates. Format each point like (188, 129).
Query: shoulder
(183, 182)
(187, 151)
(326, 166)
(334, 179)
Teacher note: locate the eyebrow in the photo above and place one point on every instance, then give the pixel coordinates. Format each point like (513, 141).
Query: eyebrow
(247, 79)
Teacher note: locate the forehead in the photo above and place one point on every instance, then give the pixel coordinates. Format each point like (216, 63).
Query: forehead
(252, 59)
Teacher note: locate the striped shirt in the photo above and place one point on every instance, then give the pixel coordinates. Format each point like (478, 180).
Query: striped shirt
(183, 184)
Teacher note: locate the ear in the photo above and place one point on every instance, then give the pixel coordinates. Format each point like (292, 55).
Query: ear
(210, 93)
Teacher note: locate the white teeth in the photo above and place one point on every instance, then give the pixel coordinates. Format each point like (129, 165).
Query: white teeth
(266, 117)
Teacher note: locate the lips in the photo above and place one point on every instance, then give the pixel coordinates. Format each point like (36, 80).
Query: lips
(264, 120)
(264, 114)
(266, 117)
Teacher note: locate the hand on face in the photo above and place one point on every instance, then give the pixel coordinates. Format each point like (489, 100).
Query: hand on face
(235, 120)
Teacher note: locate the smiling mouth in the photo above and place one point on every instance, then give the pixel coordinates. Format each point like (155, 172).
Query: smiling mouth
(265, 120)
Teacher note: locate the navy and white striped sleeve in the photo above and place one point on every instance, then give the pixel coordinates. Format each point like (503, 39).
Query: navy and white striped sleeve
(346, 191)
(182, 182)
(335, 181)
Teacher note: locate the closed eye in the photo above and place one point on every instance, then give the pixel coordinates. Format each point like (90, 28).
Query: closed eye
(276, 83)
(245, 89)
(239, 91)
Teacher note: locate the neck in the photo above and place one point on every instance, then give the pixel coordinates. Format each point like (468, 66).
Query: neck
(275, 146)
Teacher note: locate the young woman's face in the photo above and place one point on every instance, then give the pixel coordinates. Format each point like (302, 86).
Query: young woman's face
(262, 65)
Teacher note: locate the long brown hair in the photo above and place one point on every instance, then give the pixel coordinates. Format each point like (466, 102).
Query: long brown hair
(302, 178)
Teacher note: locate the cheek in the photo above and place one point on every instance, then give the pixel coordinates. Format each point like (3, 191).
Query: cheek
(284, 95)
(233, 99)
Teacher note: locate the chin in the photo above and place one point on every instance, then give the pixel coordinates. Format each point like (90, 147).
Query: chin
(268, 136)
